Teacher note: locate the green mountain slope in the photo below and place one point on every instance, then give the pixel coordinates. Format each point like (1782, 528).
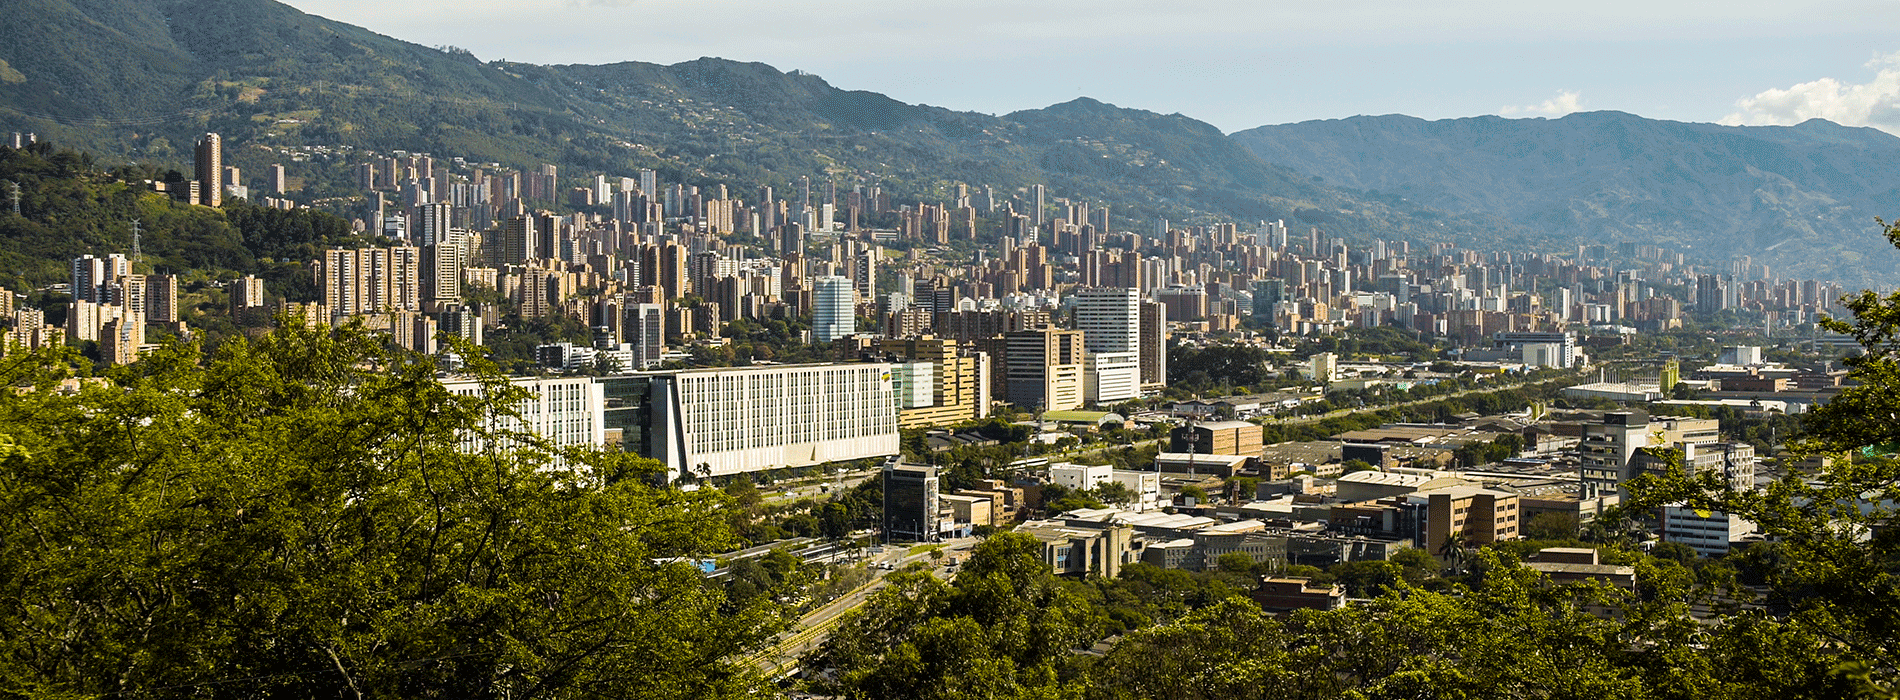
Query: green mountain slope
(271, 78)
(1801, 198)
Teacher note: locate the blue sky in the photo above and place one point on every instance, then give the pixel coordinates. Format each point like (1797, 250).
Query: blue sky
(1237, 64)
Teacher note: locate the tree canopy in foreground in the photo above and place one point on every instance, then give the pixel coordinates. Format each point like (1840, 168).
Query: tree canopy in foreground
(294, 517)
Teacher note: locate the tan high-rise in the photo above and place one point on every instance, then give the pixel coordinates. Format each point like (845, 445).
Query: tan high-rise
(210, 170)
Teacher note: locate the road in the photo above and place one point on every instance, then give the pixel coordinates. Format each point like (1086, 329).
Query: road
(815, 627)
(1294, 420)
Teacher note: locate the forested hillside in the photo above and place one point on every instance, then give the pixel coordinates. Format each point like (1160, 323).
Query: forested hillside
(69, 208)
(1801, 199)
(270, 79)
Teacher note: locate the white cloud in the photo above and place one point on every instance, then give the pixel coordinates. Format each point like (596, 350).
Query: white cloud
(1565, 102)
(1875, 103)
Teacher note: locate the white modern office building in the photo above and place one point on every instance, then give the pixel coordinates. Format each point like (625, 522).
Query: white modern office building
(1709, 533)
(719, 422)
(564, 411)
(1112, 377)
(834, 308)
(1110, 321)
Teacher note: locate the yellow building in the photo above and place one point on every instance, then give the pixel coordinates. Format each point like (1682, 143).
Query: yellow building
(959, 388)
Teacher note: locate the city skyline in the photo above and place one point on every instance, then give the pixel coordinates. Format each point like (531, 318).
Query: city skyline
(1240, 66)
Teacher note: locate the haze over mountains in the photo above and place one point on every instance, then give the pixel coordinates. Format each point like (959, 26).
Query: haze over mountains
(1800, 198)
(138, 80)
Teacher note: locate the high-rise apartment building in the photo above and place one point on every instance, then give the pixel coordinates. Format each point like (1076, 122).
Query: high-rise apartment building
(1154, 345)
(209, 164)
(644, 327)
(120, 338)
(371, 280)
(1267, 294)
(442, 264)
(518, 241)
(1109, 318)
(161, 298)
(834, 309)
(864, 272)
(246, 292)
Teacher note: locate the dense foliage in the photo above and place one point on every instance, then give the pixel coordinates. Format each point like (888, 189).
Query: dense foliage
(300, 515)
(1006, 628)
(69, 208)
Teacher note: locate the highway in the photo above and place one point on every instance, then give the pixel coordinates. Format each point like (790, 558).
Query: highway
(815, 627)
(1292, 420)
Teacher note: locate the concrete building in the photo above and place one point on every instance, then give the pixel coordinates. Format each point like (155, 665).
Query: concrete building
(1083, 550)
(972, 510)
(959, 387)
(564, 411)
(1232, 437)
(161, 298)
(643, 329)
(1146, 486)
(1286, 594)
(1154, 345)
(1323, 367)
(1080, 477)
(1546, 349)
(1201, 464)
(1466, 515)
(371, 280)
(1606, 452)
(1109, 318)
(1579, 564)
(1615, 391)
(1709, 533)
(718, 422)
(1374, 485)
(1111, 377)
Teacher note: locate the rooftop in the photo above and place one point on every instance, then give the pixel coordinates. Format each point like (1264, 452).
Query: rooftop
(1385, 478)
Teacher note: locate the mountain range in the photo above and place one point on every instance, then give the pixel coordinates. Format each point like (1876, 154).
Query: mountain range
(140, 80)
(1800, 198)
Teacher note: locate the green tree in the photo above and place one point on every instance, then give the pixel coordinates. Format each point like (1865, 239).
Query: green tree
(1835, 562)
(1551, 526)
(1004, 629)
(299, 515)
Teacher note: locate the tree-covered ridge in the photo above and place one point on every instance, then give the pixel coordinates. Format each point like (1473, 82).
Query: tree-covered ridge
(298, 516)
(70, 207)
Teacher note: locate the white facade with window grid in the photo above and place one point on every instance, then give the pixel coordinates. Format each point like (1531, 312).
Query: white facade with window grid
(730, 421)
(566, 412)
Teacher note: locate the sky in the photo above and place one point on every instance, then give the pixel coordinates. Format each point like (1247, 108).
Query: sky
(1237, 64)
